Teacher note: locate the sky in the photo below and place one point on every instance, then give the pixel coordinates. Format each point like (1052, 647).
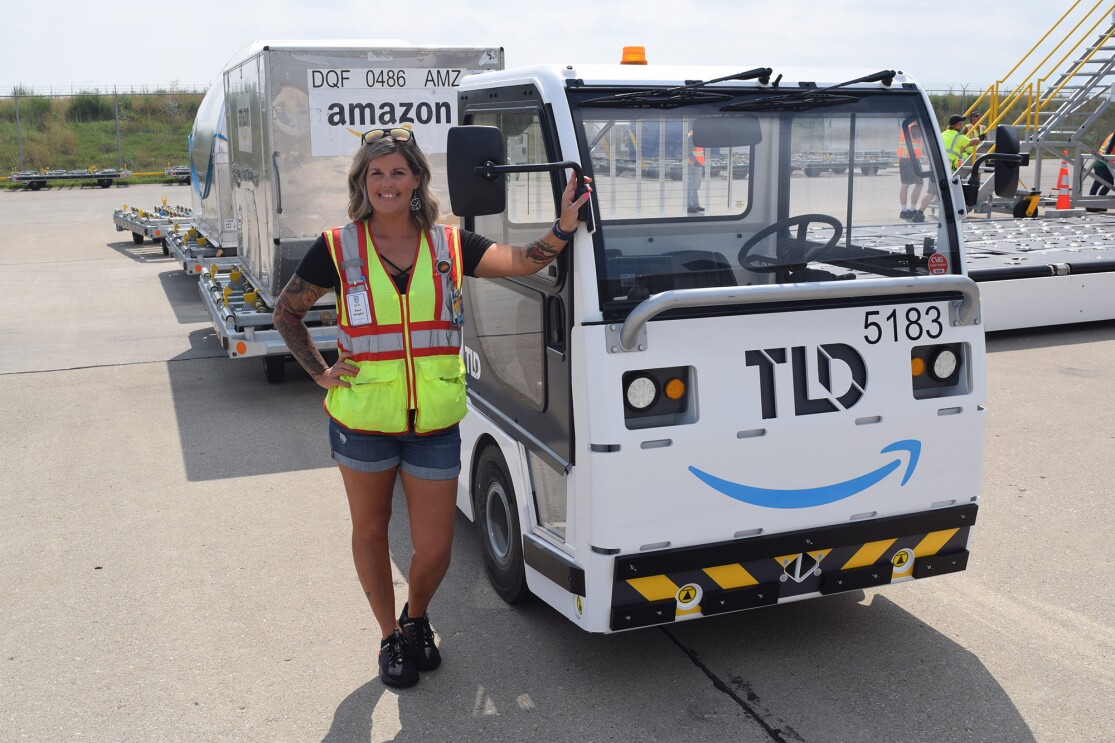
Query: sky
(71, 45)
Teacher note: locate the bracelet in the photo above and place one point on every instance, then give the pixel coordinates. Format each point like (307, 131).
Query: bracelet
(563, 236)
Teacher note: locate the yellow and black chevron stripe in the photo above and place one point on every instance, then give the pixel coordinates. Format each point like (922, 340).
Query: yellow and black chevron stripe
(667, 585)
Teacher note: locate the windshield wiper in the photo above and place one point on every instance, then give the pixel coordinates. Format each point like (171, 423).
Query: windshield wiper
(681, 95)
(806, 99)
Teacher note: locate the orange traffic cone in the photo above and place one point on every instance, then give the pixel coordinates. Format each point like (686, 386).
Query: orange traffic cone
(1064, 193)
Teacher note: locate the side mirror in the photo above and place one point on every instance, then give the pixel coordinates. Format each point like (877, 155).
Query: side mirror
(1007, 162)
(472, 194)
(1006, 171)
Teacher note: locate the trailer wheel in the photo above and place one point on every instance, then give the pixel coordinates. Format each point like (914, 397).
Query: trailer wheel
(812, 171)
(274, 368)
(137, 238)
(869, 170)
(104, 182)
(36, 185)
(166, 250)
(497, 522)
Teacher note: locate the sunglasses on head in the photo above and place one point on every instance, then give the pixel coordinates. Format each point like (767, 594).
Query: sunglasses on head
(398, 134)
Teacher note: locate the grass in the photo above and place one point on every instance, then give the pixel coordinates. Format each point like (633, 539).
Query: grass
(79, 132)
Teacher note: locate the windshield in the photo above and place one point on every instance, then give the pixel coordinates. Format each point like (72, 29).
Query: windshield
(747, 192)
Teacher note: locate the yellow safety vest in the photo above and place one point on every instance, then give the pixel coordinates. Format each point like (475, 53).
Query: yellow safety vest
(409, 350)
(955, 144)
(973, 132)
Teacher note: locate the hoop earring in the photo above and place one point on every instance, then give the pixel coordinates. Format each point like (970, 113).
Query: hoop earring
(415, 203)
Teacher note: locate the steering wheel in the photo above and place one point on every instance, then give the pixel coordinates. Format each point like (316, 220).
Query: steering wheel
(791, 252)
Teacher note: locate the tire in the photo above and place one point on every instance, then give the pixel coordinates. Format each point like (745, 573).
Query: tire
(104, 182)
(166, 250)
(497, 523)
(36, 185)
(137, 238)
(274, 368)
(839, 171)
(869, 170)
(812, 171)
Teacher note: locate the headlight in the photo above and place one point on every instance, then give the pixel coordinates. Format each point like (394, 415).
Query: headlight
(653, 398)
(940, 370)
(943, 364)
(641, 393)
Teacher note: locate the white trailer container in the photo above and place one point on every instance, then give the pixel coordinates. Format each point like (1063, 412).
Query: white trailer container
(210, 172)
(212, 235)
(296, 110)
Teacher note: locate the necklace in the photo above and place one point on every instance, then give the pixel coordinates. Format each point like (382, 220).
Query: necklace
(400, 272)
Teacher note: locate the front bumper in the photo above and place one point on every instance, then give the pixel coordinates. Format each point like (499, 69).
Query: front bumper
(668, 585)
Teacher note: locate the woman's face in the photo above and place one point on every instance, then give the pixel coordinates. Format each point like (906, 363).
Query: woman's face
(390, 183)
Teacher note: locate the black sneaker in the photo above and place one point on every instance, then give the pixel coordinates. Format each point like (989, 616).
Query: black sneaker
(905, 213)
(917, 216)
(395, 666)
(419, 641)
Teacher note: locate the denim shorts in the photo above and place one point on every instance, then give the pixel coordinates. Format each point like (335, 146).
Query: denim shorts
(434, 456)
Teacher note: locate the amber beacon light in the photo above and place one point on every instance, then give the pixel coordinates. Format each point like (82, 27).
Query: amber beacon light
(634, 55)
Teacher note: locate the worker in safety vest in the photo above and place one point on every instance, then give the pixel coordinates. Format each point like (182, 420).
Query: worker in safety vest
(956, 144)
(974, 131)
(910, 192)
(396, 394)
(696, 173)
(1101, 172)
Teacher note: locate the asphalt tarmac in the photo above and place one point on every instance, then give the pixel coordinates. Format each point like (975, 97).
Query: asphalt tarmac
(175, 566)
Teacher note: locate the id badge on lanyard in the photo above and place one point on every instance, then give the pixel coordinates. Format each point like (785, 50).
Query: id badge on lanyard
(456, 296)
(357, 303)
(458, 308)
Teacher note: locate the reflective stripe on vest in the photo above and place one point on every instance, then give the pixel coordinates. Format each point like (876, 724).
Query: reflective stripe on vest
(431, 331)
(409, 354)
(952, 138)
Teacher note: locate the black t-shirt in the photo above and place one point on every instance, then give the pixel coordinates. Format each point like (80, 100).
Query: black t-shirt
(318, 269)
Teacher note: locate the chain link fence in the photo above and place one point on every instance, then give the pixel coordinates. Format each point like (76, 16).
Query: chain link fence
(141, 131)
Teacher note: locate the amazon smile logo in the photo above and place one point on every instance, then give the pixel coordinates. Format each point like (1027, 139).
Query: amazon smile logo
(818, 496)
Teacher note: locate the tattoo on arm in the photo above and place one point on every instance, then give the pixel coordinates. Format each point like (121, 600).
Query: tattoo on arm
(293, 304)
(539, 252)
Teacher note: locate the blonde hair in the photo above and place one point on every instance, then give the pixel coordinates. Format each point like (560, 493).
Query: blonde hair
(360, 207)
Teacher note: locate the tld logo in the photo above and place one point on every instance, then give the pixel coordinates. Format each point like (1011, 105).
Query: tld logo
(472, 363)
(804, 367)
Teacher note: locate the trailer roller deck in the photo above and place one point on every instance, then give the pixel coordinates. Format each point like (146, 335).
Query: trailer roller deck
(153, 225)
(195, 251)
(242, 318)
(1040, 272)
(36, 179)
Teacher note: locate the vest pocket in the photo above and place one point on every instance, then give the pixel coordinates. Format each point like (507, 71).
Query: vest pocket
(441, 392)
(376, 401)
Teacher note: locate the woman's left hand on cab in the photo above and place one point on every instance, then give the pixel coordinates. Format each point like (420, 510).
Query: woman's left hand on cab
(571, 205)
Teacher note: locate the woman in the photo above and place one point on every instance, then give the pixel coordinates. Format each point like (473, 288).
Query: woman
(396, 393)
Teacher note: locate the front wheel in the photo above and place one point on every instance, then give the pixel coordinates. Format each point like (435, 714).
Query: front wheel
(137, 238)
(497, 522)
